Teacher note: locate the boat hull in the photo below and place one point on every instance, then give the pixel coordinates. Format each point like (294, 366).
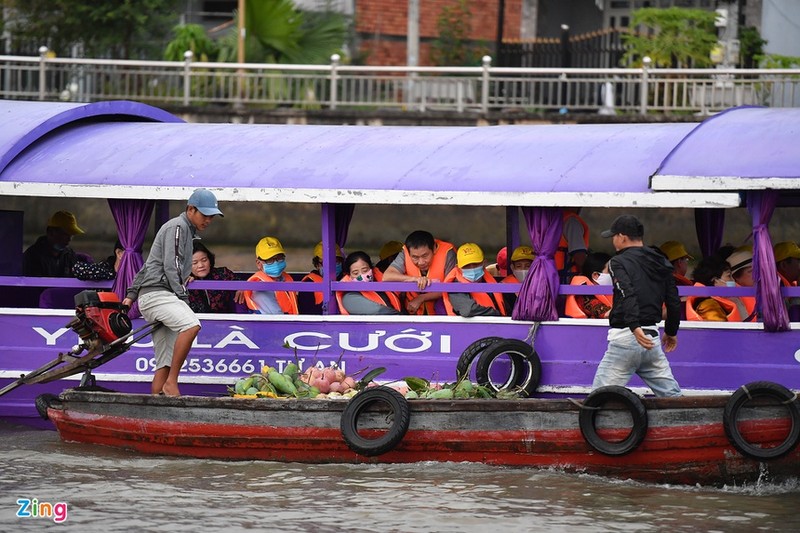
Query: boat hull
(709, 358)
(685, 442)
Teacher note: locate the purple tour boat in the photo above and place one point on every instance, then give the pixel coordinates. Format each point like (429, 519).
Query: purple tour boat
(139, 157)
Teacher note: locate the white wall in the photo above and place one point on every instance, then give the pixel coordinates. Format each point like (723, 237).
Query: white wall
(780, 26)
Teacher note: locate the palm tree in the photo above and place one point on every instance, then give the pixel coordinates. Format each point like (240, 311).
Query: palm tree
(277, 32)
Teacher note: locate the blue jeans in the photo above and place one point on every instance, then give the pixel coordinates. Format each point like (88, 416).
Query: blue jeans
(624, 356)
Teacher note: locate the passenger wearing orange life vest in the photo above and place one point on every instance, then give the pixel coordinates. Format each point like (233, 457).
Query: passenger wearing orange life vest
(741, 261)
(573, 246)
(359, 270)
(595, 272)
(471, 271)
(712, 271)
(423, 260)
(311, 302)
(677, 255)
(271, 263)
(787, 262)
(521, 259)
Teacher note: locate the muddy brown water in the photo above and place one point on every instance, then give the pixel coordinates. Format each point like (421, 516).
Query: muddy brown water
(109, 490)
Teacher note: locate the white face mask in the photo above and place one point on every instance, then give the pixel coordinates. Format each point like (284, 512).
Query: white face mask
(520, 275)
(604, 279)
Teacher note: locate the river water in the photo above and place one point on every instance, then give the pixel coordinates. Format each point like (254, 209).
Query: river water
(103, 489)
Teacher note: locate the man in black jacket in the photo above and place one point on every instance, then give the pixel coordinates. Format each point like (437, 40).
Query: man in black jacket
(643, 283)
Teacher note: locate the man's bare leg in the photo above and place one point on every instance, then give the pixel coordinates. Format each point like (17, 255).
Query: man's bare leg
(182, 346)
(159, 379)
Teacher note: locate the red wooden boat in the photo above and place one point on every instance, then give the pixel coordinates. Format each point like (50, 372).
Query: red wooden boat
(709, 440)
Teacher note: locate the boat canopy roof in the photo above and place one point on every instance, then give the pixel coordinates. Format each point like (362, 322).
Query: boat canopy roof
(130, 150)
(746, 148)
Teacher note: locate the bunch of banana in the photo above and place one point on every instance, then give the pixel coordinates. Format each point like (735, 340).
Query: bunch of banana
(273, 384)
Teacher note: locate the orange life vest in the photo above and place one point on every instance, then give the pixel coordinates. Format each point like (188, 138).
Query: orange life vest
(729, 307)
(563, 246)
(394, 301)
(494, 300)
(287, 300)
(682, 281)
(313, 276)
(435, 271)
(785, 282)
(572, 307)
(747, 309)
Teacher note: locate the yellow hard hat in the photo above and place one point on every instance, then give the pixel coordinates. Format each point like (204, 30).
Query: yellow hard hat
(785, 250)
(469, 253)
(65, 221)
(318, 251)
(674, 250)
(390, 248)
(523, 252)
(269, 247)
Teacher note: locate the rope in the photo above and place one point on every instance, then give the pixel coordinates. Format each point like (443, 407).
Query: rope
(531, 338)
(790, 400)
(580, 405)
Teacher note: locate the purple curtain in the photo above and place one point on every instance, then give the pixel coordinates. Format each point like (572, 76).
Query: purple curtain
(761, 205)
(132, 218)
(343, 214)
(709, 225)
(537, 296)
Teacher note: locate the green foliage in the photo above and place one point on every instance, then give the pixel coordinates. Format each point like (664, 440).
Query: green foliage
(778, 61)
(111, 28)
(751, 45)
(190, 37)
(452, 48)
(673, 37)
(278, 33)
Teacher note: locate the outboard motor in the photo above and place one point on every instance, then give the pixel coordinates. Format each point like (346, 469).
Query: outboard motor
(100, 315)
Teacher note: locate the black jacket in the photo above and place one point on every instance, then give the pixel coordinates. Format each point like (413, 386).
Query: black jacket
(643, 282)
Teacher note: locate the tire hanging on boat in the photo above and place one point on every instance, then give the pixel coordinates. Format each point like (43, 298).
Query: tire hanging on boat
(399, 412)
(593, 404)
(742, 396)
(470, 353)
(526, 368)
(45, 401)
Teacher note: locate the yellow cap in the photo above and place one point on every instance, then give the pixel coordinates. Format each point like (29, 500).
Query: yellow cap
(318, 251)
(469, 253)
(674, 250)
(390, 248)
(268, 247)
(785, 250)
(66, 221)
(523, 252)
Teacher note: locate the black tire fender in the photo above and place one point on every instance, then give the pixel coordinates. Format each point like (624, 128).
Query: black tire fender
(45, 401)
(399, 411)
(472, 352)
(526, 371)
(588, 414)
(745, 393)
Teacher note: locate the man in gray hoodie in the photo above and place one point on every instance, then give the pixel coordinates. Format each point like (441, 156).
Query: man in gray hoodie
(160, 287)
(643, 285)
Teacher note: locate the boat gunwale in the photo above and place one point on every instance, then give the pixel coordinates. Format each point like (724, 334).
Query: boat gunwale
(704, 401)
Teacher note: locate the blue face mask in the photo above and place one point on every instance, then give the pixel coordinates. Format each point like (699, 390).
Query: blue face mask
(473, 274)
(338, 269)
(275, 269)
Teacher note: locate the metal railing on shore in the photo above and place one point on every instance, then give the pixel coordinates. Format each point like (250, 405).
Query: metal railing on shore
(336, 86)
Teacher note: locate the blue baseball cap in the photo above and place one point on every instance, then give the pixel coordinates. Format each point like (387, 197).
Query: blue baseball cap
(205, 202)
